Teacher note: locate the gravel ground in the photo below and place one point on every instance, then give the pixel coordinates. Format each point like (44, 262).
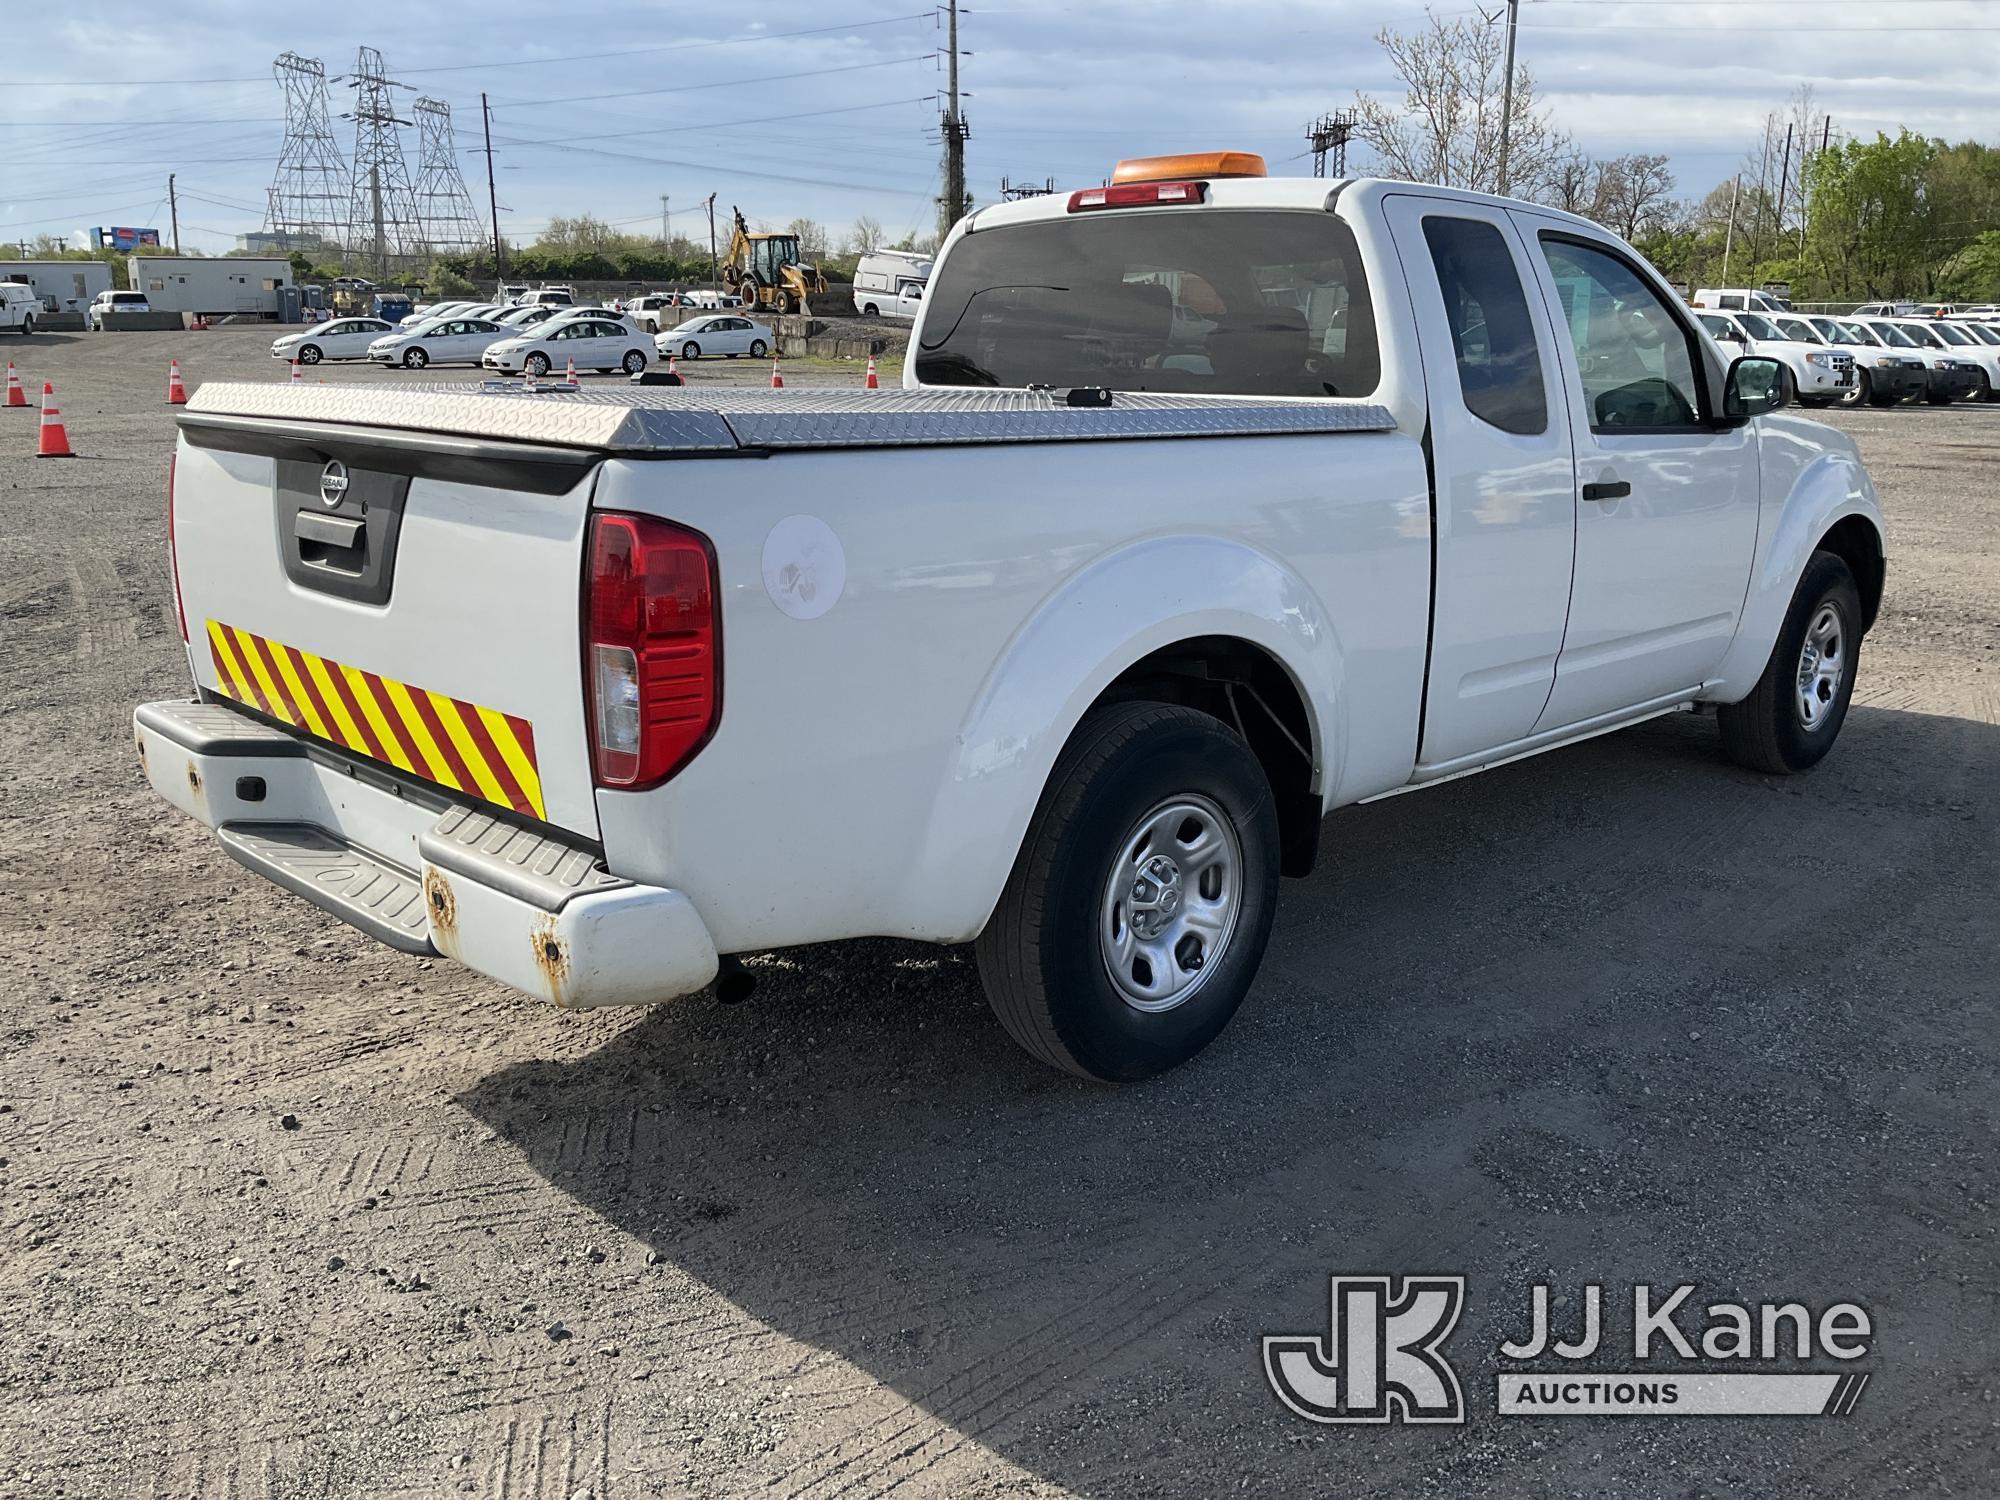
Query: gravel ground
(289, 1214)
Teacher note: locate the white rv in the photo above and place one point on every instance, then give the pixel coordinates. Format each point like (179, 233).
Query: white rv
(890, 283)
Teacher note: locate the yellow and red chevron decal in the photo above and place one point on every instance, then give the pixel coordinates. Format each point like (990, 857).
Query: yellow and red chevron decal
(478, 751)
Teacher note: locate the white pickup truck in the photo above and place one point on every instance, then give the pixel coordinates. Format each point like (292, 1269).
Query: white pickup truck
(1213, 503)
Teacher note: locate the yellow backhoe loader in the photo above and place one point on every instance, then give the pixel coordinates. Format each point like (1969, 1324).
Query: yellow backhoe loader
(765, 271)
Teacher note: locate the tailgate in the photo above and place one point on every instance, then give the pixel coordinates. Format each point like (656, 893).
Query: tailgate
(412, 600)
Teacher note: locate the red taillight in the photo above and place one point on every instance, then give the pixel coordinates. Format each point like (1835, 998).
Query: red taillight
(652, 648)
(173, 558)
(1137, 195)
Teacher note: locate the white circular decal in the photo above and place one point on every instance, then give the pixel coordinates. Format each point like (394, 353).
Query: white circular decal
(804, 567)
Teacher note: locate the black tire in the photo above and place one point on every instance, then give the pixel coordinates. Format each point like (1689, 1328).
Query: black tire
(1985, 391)
(1042, 959)
(415, 359)
(536, 364)
(310, 354)
(633, 362)
(1768, 730)
(1863, 389)
(1788, 387)
(690, 351)
(758, 348)
(27, 328)
(870, 310)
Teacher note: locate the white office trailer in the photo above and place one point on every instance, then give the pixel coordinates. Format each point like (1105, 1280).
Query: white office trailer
(214, 287)
(63, 286)
(890, 283)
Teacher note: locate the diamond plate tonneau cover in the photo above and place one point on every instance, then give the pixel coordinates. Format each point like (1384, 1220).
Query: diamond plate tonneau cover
(666, 420)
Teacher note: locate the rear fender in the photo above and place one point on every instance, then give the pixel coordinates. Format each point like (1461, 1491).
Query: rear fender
(1105, 617)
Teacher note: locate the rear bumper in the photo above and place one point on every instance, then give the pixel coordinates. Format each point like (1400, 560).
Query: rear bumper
(420, 872)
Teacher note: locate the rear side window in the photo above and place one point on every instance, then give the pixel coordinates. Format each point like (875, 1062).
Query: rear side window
(1492, 336)
(1254, 302)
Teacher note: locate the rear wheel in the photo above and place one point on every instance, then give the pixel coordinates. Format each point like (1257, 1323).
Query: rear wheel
(633, 362)
(27, 327)
(415, 359)
(871, 311)
(1141, 899)
(758, 348)
(1794, 714)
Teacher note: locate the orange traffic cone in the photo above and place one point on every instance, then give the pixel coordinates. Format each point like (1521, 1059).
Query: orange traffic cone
(777, 380)
(54, 441)
(15, 395)
(295, 372)
(673, 367)
(176, 392)
(569, 371)
(874, 382)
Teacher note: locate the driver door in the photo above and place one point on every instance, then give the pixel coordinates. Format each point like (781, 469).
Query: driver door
(1666, 501)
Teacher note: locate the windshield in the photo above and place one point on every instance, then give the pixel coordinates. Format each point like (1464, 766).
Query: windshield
(1799, 329)
(1837, 333)
(1952, 335)
(1983, 333)
(1761, 327)
(1890, 334)
(1219, 301)
(1920, 336)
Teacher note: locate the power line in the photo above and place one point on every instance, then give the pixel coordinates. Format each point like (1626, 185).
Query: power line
(730, 83)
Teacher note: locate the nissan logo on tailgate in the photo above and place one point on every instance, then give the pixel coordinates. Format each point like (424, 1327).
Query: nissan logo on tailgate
(333, 483)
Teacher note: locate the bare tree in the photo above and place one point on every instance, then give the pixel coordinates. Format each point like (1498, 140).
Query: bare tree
(813, 242)
(866, 236)
(1446, 128)
(1632, 194)
(1568, 183)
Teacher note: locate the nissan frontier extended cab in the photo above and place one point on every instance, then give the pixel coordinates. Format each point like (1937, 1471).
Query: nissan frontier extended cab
(1212, 502)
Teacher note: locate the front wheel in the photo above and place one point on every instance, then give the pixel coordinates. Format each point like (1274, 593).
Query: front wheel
(1141, 899)
(310, 354)
(633, 362)
(690, 350)
(415, 359)
(537, 364)
(1794, 714)
(1860, 392)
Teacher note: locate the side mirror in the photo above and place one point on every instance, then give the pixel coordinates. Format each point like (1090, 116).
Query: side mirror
(1755, 386)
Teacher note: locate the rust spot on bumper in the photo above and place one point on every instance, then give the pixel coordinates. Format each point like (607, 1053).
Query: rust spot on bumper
(441, 906)
(551, 956)
(194, 779)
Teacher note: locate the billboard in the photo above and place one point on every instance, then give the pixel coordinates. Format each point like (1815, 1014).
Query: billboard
(125, 239)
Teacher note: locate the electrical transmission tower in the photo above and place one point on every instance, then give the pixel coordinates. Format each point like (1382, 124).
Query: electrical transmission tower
(1011, 191)
(1328, 136)
(384, 214)
(444, 206)
(311, 192)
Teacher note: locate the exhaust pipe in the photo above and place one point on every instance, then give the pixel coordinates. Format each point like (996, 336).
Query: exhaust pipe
(733, 983)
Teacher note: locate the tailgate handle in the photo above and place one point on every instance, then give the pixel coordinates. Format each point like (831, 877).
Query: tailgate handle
(331, 531)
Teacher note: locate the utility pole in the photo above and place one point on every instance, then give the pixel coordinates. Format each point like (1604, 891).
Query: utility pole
(1805, 203)
(1507, 96)
(666, 223)
(1729, 235)
(174, 208)
(714, 270)
(955, 132)
(492, 193)
(1784, 181)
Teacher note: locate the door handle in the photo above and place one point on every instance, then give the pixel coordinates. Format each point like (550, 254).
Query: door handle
(1615, 489)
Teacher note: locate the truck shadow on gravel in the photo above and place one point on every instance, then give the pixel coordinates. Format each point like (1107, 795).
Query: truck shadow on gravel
(1620, 1013)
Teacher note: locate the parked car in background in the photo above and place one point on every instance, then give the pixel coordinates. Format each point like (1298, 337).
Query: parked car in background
(591, 341)
(655, 310)
(1815, 374)
(442, 341)
(511, 293)
(19, 307)
(1967, 345)
(1740, 299)
(1882, 375)
(551, 296)
(727, 334)
(337, 338)
(110, 304)
(890, 283)
(1951, 377)
(432, 312)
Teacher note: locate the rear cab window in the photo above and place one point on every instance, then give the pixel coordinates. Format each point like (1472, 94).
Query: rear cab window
(1257, 302)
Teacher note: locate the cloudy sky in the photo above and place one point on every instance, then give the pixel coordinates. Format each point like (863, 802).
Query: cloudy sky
(827, 109)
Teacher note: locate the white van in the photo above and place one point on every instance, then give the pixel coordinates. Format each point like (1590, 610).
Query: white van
(890, 283)
(19, 307)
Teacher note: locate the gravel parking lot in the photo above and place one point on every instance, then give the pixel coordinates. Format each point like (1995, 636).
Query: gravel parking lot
(289, 1214)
